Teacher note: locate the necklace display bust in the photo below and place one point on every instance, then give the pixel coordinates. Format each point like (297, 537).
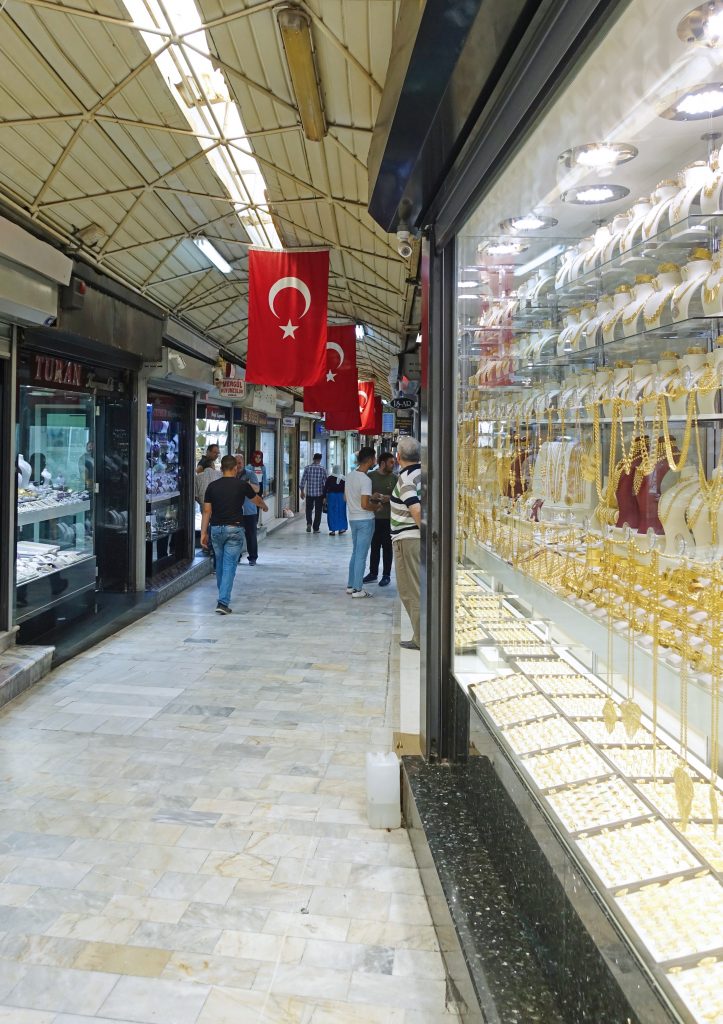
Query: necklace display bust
(691, 368)
(658, 217)
(693, 179)
(621, 221)
(633, 233)
(591, 328)
(705, 518)
(657, 306)
(687, 298)
(631, 321)
(621, 298)
(672, 508)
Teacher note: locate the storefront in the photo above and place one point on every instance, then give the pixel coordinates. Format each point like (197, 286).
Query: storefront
(255, 432)
(170, 468)
(289, 464)
(213, 426)
(572, 588)
(74, 528)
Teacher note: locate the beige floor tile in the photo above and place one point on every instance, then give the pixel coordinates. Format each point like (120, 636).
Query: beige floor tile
(104, 956)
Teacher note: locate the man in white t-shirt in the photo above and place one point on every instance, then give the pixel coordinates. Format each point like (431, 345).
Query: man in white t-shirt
(360, 509)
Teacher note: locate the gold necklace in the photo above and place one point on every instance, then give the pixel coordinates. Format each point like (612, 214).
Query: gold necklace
(649, 320)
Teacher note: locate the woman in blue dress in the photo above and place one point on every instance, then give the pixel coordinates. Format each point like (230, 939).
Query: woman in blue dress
(335, 504)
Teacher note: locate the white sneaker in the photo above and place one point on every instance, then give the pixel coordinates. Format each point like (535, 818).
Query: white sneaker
(362, 593)
(350, 590)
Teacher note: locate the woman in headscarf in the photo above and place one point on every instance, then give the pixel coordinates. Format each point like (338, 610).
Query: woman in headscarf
(335, 504)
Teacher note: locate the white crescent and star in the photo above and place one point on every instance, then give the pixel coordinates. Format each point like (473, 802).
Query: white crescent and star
(330, 376)
(289, 330)
(364, 399)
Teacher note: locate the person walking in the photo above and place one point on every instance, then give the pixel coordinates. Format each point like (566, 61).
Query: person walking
(202, 479)
(223, 511)
(406, 520)
(360, 506)
(252, 511)
(312, 489)
(383, 483)
(335, 504)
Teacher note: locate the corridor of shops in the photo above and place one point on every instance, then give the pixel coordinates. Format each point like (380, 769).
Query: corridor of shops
(183, 830)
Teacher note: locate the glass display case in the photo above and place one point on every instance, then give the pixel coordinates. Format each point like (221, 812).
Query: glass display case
(212, 427)
(588, 606)
(167, 482)
(55, 469)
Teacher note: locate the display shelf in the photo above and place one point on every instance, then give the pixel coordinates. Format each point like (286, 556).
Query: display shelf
(154, 499)
(670, 245)
(28, 515)
(573, 621)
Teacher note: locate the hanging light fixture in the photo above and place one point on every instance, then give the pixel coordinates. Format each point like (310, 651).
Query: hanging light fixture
(295, 28)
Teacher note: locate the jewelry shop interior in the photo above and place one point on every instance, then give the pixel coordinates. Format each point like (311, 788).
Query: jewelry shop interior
(587, 599)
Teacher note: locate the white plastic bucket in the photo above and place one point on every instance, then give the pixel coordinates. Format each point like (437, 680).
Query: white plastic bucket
(383, 805)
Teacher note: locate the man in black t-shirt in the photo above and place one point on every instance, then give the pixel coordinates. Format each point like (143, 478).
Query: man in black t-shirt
(223, 509)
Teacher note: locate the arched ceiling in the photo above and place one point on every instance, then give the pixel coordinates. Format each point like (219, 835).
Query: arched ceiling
(97, 149)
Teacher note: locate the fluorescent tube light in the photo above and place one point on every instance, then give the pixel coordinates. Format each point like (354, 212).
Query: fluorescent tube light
(212, 254)
(295, 30)
(539, 261)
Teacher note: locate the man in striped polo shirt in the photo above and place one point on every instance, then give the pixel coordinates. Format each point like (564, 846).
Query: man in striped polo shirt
(406, 536)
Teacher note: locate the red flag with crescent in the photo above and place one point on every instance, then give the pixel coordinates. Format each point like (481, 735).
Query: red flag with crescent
(336, 392)
(288, 294)
(366, 407)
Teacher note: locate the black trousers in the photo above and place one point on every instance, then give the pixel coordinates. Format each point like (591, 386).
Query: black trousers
(381, 541)
(314, 505)
(250, 527)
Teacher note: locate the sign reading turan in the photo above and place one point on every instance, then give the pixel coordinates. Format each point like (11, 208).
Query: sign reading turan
(50, 370)
(288, 295)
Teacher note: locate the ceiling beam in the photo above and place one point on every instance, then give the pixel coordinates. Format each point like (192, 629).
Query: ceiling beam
(58, 7)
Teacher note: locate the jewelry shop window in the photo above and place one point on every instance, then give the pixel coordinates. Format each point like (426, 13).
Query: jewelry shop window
(55, 469)
(588, 607)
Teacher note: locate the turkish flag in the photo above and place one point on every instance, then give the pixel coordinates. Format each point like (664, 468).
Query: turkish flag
(288, 294)
(336, 392)
(378, 411)
(366, 407)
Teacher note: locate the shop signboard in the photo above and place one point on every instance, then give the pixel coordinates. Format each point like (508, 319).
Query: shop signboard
(388, 423)
(289, 421)
(231, 387)
(403, 403)
(51, 370)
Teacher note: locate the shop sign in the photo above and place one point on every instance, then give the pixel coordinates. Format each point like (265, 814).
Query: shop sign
(49, 370)
(216, 412)
(253, 418)
(231, 387)
(403, 403)
(289, 421)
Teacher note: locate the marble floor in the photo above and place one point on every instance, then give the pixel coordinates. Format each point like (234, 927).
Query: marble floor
(182, 820)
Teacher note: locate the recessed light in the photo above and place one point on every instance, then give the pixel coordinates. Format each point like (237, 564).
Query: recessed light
(468, 296)
(703, 24)
(697, 104)
(468, 284)
(590, 195)
(598, 156)
(529, 222)
(502, 248)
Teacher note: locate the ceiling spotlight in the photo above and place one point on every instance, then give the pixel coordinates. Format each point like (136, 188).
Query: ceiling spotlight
(697, 104)
(530, 222)
(598, 156)
(703, 25)
(589, 195)
(502, 248)
(211, 253)
(359, 332)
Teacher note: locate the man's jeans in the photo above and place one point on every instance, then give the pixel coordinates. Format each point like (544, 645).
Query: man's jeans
(227, 542)
(381, 542)
(314, 505)
(362, 531)
(251, 525)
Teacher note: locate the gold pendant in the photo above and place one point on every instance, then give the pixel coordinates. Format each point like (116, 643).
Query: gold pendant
(714, 810)
(683, 794)
(610, 714)
(630, 714)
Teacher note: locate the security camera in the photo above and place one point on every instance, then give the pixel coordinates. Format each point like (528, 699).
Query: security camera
(404, 248)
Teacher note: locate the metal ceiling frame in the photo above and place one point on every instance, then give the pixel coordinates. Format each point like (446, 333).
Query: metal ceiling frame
(367, 295)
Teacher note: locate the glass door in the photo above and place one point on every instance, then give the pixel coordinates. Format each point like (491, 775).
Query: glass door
(289, 490)
(168, 491)
(113, 500)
